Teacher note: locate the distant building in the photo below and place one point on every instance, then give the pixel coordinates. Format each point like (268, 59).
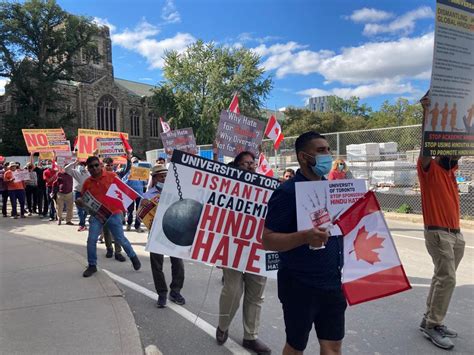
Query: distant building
(319, 104)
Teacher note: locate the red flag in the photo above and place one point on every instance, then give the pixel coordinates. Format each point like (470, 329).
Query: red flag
(126, 145)
(372, 267)
(273, 131)
(74, 146)
(234, 104)
(119, 195)
(165, 126)
(263, 166)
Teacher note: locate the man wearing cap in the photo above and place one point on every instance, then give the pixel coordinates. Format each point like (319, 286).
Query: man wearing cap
(16, 190)
(158, 176)
(139, 187)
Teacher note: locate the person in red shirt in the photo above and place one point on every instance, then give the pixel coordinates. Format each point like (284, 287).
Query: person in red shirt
(97, 185)
(16, 190)
(339, 170)
(50, 175)
(443, 238)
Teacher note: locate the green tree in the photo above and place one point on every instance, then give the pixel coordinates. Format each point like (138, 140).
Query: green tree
(350, 106)
(39, 42)
(203, 80)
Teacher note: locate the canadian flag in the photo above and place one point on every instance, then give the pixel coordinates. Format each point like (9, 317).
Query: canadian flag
(165, 126)
(234, 104)
(273, 131)
(372, 267)
(119, 195)
(263, 166)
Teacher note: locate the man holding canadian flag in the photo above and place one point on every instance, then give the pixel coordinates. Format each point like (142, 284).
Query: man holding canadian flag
(111, 197)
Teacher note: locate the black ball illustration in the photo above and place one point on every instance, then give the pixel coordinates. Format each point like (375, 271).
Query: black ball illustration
(180, 221)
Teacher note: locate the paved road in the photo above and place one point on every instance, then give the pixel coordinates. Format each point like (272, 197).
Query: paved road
(387, 326)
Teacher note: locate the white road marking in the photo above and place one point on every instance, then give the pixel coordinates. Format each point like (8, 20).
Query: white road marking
(231, 345)
(422, 239)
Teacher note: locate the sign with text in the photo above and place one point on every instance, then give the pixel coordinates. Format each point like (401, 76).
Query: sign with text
(147, 209)
(237, 133)
(180, 139)
(214, 213)
(63, 158)
(139, 173)
(449, 122)
(110, 147)
(45, 140)
(21, 175)
(87, 141)
(318, 203)
(46, 155)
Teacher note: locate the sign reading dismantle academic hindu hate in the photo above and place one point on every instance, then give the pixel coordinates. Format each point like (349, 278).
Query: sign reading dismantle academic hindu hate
(214, 213)
(449, 123)
(87, 141)
(45, 140)
(237, 133)
(180, 139)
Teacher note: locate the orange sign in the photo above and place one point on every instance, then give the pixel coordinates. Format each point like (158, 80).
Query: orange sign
(45, 140)
(87, 141)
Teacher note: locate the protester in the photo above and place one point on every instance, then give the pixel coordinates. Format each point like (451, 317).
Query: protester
(139, 187)
(443, 238)
(309, 280)
(288, 174)
(16, 190)
(3, 189)
(42, 193)
(50, 175)
(161, 161)
(79, 173)
(31, 190)
(238, 282)
(97, 185)
(64, 197)
(158, 174)
(339, 170)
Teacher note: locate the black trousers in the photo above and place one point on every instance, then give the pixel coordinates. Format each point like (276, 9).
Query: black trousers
(4, 202)
(42, 201)
(32, 198)
(177, 273)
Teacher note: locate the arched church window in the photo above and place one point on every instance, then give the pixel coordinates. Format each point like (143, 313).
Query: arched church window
(153, 125)
(107, 113)
(135, 122)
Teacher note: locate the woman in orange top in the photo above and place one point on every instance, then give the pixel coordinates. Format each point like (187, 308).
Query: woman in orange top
(16, 190)
(339, 170)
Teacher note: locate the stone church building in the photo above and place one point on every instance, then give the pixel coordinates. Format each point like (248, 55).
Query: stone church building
(101, 101)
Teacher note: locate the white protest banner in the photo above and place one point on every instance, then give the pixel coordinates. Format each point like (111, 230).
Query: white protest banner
(21, 175)
(319, 202)
(180, 139)
(110, 147)
(449, 124)
(237, 133)
(214, 213)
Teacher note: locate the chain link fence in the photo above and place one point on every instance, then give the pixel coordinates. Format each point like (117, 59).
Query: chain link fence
(385, 157)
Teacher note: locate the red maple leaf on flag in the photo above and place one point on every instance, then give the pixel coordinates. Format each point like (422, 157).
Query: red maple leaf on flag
(364, 247)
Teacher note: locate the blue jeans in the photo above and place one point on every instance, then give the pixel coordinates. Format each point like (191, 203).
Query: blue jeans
(81, 212)
(114, 223)
(20, 195)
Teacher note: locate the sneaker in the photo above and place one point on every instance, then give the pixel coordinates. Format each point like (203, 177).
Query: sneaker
(91, 269)
(438, 338)
(450, 333)
(221, 336)
(51, 219)
(257, 346)
(30, 214)
(110, 253)
(139, 230)
(82, 228)
(136, 262)
(5, 216)
(15, 217)
(177, 298)
(22, 216)
(120, 257)
(161, 303)
(59, 222)
(129, 228)
(69, 223)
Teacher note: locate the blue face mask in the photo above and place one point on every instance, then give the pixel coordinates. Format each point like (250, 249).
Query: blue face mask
(323, 164)
(159, 185)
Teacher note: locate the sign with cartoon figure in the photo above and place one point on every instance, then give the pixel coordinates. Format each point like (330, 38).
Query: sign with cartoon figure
(214, 213)
(449, 122)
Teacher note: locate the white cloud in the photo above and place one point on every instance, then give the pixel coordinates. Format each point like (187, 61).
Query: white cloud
(169, 13)
(384, 87)
(3, 82)
(104, 22)
(404, 24)
(249, 37)
(366, 15)
(141, 40)
(146, 79)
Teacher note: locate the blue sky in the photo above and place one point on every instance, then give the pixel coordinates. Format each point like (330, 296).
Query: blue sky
(376, 50)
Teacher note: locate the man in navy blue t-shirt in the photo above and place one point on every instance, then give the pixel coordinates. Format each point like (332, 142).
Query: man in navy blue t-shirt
(309, 280)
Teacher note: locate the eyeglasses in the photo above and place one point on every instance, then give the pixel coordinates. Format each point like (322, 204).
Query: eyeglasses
(93, 166)
(248, 163)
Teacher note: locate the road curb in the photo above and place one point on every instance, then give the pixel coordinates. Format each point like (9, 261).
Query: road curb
(418, 218)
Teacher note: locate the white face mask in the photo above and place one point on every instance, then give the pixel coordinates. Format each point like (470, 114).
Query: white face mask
(159, 185)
